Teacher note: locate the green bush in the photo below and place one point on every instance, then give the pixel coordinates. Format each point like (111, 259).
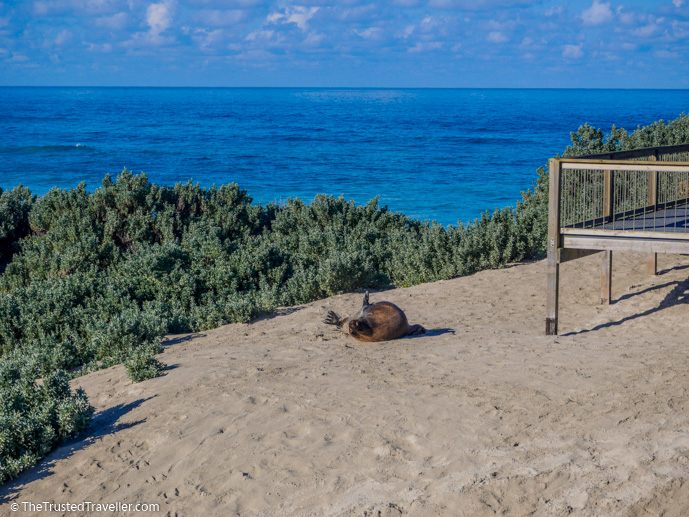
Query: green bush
(34, 418)
(15, 206)
(590, 140)
(141, 363)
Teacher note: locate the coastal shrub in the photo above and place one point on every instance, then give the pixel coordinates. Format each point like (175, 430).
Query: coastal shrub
(34, 417)
(141, 363)
(15, 206)
(590, 140)
(93, 279)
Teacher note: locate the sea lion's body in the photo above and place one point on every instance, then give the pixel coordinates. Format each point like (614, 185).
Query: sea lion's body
(379, 321)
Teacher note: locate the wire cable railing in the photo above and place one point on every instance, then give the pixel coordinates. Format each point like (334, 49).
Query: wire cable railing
(627, 191)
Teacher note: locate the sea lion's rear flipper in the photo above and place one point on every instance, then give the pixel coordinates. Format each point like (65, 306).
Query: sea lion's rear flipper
(416, 330)
(366, 304)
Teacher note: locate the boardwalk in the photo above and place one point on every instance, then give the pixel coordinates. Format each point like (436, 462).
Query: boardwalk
(627, 201)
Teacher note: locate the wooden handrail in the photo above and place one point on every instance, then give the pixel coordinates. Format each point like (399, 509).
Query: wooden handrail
(635, 153)
(618, 165)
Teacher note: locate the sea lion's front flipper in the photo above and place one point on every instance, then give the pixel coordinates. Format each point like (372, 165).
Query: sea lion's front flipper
(333, 319)
(366, 304)
(341, 323)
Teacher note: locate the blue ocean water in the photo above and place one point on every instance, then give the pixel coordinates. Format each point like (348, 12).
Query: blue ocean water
(444, 154)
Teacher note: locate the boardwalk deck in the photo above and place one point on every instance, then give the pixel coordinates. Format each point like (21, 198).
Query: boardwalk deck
(668, 220)
(625, 201)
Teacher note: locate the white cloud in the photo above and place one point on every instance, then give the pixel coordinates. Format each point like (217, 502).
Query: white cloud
(476, 5)
(554, 11)
(17, 58)
(62, 7)
(625, 17)
(497, 37)
(678, 3)
(260, 35)
(646, 31)
(97, 47)
(597, 14)
(371, 33)
(507, 25)
(680, 29)
(97, 6)
(294, 14)
(115, 22)
(219, 18)
(572, 52)
(301, 16)
(314, 39)
(666, 54)
(159, 16)
(207, 39)
(159, 19)
(274, 17)
(360, 13)
(63, 37)
(255, 58)
(44, 8)
(426, 46)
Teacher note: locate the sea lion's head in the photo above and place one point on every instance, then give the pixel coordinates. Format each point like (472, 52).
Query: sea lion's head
(359, 328)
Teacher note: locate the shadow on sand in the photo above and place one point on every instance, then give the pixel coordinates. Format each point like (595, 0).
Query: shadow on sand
(643, 291)
(436, 332)
(678, 295)
(676, 268)
(282, 311)
(181, 339)
(103, 423)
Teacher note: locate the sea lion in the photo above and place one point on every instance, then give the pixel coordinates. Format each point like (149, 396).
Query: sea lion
(379, 321)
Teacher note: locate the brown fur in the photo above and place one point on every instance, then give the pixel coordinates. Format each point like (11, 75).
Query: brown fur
(379, 321)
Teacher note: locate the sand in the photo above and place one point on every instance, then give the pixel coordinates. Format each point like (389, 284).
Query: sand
(484, 415)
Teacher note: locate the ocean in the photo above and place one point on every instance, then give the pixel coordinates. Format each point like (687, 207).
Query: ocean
(433, 154)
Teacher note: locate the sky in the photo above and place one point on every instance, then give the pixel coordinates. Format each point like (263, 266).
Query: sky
(349, 43)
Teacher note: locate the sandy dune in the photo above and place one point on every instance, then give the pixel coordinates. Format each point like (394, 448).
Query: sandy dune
(484, 415)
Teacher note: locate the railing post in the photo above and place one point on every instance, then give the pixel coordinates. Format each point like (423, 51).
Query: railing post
(653, 184)
(553, 266)
(607, 196)
(606, 278)
(652, 261)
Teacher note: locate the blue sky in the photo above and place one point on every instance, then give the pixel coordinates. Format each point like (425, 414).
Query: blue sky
(403, 43)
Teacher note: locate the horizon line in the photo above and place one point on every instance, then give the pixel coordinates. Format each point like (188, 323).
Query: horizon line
(343, 87)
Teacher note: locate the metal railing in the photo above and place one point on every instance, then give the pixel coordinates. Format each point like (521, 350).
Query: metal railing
(645, 190)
